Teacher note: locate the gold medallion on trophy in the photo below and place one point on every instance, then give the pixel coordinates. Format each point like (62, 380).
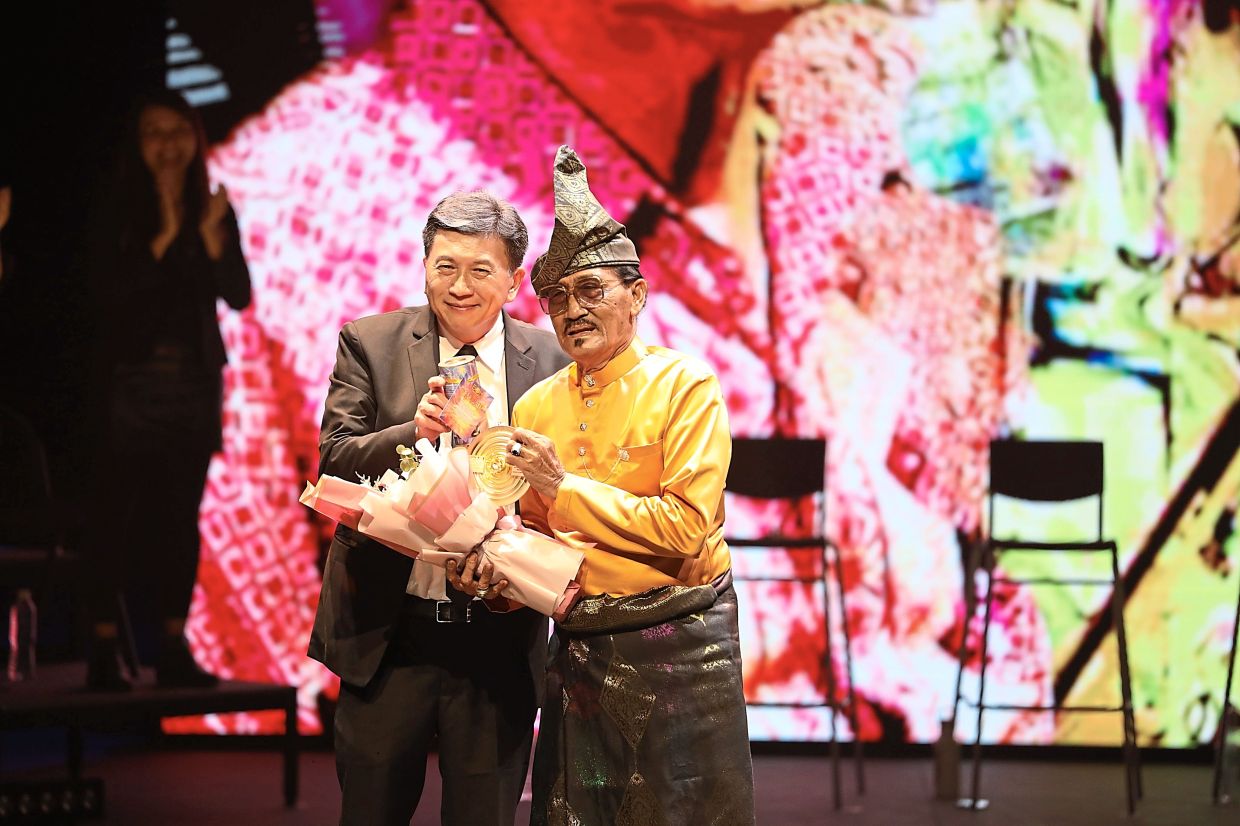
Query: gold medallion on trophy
(499, 480)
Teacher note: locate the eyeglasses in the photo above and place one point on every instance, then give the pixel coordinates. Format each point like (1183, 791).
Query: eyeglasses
(589, 293)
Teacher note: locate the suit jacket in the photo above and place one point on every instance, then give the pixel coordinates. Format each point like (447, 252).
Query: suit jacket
(382, 367)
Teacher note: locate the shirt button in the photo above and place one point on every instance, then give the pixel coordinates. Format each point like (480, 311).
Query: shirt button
(624, 455)
(589, 381)
(581, 451)
(581, 426)
(589, 402)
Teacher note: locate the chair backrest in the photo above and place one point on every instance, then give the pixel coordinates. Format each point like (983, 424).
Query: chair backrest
(777, 468)
(27, 514)
(1046, 471)
(792, 470)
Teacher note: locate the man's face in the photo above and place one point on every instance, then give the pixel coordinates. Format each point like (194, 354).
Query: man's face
(593, 336)
(468, 281)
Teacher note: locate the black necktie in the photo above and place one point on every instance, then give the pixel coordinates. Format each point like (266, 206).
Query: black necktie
(460, 599)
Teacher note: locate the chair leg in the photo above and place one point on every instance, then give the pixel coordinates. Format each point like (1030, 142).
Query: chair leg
(74, 753)
(981, 684)
(1220, 747)
(129, 649)
(969, 591)
(291, 755)
(832, 699)
(858, 757)
(1132, 768)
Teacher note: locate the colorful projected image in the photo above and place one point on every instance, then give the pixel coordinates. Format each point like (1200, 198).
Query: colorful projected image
(907, 228)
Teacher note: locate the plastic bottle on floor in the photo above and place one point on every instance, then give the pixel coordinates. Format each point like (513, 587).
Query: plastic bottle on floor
(23, 631)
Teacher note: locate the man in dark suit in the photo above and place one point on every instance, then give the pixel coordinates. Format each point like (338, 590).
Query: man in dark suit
(418, 660)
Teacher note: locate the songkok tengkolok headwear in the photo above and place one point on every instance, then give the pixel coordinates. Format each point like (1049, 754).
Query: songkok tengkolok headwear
(585, 235)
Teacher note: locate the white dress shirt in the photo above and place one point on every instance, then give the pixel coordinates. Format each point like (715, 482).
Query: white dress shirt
(428, 580)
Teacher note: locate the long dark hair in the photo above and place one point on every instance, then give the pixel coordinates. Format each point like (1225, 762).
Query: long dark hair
(134, 189)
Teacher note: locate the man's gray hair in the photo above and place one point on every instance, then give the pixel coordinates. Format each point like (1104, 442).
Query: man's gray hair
(628, 273)
(479, 213)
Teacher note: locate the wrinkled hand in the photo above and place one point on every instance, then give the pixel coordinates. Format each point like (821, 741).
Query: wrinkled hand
(474, 578)
(538, 462)
(427, 420)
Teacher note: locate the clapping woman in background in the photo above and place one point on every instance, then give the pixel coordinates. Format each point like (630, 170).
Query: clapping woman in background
(166, 247)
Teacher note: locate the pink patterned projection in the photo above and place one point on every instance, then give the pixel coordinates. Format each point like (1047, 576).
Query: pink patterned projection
(855, 332)
(885, 308)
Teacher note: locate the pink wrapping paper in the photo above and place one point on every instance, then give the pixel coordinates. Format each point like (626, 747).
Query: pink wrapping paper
(538, 568)
(436, 515)
(471, 527)
(448, 492)
(336, 499)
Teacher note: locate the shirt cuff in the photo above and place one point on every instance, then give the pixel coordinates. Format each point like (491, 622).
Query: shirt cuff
(565, 499)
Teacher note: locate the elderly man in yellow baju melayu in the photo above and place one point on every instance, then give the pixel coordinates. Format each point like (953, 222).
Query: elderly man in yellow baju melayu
(626, 451)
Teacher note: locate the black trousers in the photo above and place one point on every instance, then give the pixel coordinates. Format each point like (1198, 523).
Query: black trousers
(162, 427)
(148, 547)
(465, 687)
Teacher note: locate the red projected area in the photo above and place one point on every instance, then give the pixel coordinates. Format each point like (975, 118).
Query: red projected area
(833, 210)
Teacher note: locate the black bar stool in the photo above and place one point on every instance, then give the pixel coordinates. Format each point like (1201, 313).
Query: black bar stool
(794, 469)
(1047, 472)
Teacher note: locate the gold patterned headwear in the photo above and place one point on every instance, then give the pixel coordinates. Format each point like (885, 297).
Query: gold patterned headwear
(585, 235)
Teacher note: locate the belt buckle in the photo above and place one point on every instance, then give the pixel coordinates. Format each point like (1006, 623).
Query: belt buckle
(449, 619)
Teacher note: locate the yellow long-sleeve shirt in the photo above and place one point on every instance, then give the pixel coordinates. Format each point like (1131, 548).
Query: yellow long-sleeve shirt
(645, 445)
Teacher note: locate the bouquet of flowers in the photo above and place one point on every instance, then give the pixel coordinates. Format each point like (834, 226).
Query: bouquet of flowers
(452, 502)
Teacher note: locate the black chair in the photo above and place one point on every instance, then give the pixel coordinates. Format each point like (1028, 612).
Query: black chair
(31, 546)
(1047, 472)
(32, 555)
(1226, 717)
(795, 470)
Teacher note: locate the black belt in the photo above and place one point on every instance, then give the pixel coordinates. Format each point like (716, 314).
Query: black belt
(439, 610)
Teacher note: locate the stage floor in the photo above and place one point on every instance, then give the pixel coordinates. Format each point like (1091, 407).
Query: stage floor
(197, 788)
